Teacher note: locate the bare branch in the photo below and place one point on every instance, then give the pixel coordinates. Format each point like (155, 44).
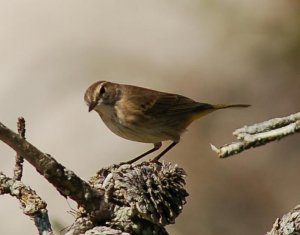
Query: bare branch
(288, 224)
(64, 180)
(18, 170)
(31, 203)
(260, 134)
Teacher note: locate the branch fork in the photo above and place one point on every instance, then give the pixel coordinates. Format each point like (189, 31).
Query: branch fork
(259, 134)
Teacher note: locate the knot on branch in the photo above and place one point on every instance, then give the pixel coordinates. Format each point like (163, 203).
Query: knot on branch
(148, 195)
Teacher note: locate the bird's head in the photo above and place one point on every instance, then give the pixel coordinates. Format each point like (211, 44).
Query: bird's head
(101, 93)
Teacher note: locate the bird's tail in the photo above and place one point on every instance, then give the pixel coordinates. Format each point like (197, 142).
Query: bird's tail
(203, 109)
(225, 106)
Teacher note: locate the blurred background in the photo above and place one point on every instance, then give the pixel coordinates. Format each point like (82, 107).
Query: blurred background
(229, 51)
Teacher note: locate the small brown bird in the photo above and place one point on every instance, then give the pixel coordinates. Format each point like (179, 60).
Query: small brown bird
(144, 115)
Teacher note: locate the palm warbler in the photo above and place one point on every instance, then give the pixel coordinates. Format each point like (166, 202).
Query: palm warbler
(144, 115)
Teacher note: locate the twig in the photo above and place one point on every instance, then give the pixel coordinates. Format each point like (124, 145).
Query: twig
(260, 134)
(18, 170)
(31, 203)
(288, 224)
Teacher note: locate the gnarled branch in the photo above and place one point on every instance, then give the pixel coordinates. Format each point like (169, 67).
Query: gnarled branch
(31, 203)
(63, 179)
(288, 224)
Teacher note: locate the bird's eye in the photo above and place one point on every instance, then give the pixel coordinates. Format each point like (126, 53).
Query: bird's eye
(102, 91)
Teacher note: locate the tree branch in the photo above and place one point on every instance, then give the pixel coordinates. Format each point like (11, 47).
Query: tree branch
(64, 180)
(31, 203)
(288, 224)
(260, 134)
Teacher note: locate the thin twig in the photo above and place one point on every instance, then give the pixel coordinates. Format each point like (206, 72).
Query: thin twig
(31, 203)
(260, 134)
(18, 169)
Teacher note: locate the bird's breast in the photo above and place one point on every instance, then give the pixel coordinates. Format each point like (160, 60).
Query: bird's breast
(133, 126)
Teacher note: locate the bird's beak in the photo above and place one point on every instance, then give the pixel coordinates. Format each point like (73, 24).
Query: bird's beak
(92, 106)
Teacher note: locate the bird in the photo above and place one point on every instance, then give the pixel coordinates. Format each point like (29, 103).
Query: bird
(145, 115)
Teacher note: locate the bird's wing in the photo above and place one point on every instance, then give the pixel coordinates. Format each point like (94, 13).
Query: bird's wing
(156, 104)
(176, 105)
(144, 106)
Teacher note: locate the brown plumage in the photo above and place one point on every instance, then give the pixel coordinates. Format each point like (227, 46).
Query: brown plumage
(144, 115)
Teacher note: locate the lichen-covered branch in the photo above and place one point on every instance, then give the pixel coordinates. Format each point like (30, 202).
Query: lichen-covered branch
(288, 224)
(64, 180)
(145, 198)
(260, 134)
(102, 230)
(31, 204)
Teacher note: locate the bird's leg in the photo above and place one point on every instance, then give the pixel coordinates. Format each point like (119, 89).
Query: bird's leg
(156, 159)
(156, 147)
